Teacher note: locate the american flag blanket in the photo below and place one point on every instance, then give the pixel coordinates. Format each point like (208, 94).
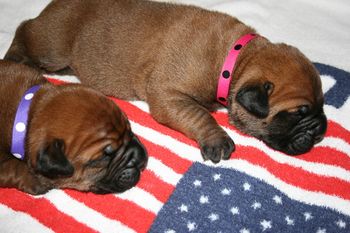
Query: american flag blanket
(257, 190)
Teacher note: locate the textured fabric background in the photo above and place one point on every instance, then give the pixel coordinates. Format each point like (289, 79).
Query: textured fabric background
(258, 190)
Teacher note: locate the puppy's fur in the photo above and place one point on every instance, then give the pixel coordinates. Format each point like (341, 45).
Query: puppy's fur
(76, 137)
(171, 56)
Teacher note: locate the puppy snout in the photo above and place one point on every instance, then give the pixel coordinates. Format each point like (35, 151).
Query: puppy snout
(125, 170)
(313, 132)
(137, 154)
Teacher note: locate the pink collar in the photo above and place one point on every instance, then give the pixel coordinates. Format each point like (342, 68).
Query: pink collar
(229, 68)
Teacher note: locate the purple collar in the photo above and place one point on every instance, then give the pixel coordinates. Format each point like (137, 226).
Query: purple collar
(20, 125)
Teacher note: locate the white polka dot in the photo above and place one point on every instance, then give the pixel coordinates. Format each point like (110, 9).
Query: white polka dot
(18, 156)
(20, 127)
(29, 96)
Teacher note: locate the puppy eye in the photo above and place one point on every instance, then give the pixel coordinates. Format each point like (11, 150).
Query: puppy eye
(268, 86)
(303, 110)
(109, 150)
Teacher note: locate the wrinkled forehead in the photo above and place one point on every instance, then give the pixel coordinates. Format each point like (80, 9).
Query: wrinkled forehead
(291, 73)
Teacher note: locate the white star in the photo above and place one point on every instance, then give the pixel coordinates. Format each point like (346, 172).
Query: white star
(244, 230)
(340, 223)
(217, 177)
(277, 199)
(183, 208)
(170, 231)
(191, 226)
(226, 191)
(321, 230)
(289, 221)
(266, 224)
(204, 199)
(197, 183)
(246, 186)
(213, 217)
(235, 210)
(256, 205)
(308, 216)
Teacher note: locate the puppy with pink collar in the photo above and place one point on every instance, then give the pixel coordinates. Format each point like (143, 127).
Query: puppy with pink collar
(185, 62)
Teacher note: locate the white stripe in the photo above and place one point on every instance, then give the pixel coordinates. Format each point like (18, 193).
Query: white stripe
(141, 105)
(164, 172)
(141, 198)
(193, 154)
(339, 115)
(65, 78)
(301, 195)
(183, 150)
(84, 214)
(337, 144)
(12, 221)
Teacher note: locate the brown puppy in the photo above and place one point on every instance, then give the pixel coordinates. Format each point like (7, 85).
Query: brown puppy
(76, 138)
(171, 56)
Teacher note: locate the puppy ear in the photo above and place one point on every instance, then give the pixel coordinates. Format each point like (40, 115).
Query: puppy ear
(52, 162)
(254, 98)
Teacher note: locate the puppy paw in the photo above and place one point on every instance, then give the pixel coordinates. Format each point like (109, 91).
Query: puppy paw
(37, 190)
(217, 150)
(34, 187)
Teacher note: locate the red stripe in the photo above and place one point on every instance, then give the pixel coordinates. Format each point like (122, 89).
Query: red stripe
(113, 207)
(42, 210)
(295, 176)
(327, 155)
(56, 81)
(170, 159)
(336, 130)
(154, 185)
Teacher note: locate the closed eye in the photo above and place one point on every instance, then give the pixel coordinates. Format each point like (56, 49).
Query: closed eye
(102, 161)
(109, 151)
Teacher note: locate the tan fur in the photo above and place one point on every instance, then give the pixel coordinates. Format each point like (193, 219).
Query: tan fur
(170, 56)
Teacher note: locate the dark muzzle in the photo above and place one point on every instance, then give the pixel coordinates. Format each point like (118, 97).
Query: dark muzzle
(302, 136)
(125, 169)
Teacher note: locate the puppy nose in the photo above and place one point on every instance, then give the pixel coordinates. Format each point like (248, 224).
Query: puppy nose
(137, 154)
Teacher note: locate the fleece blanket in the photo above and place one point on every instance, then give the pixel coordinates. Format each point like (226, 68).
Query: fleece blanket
(257, 190)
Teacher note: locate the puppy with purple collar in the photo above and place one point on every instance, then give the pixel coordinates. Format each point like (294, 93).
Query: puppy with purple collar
(183, 61)
(67, 136)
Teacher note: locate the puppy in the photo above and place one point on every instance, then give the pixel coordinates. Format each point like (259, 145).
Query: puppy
(172, 57)
(74, 137)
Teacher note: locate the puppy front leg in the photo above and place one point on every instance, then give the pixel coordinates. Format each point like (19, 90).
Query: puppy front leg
(184, 114)
(15, 174)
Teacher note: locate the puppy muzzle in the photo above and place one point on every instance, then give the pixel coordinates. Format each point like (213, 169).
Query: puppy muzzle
(303, 136)
(125, 169)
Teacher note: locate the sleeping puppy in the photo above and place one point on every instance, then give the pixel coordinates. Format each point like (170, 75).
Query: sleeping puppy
(67, 136)
(172, 57)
